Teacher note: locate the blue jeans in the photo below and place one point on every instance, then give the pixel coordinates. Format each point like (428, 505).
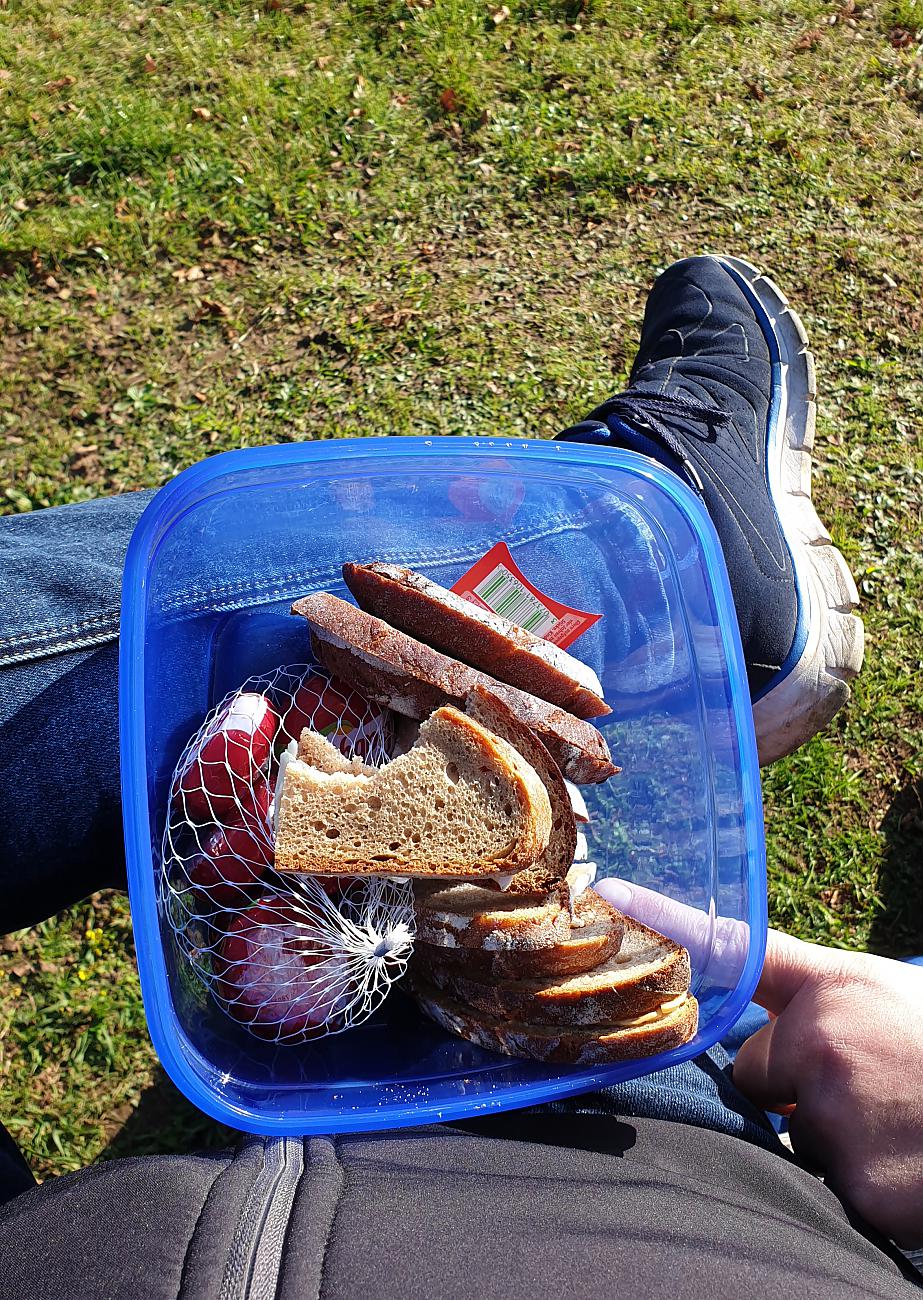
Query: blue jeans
(60, 823)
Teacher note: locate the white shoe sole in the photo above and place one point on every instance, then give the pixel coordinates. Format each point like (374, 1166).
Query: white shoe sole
(817, 685)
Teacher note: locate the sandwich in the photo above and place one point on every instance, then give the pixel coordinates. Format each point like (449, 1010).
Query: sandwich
(461, 802)
(477, 636)
(480, 808)
(410, 677)
(612, 990)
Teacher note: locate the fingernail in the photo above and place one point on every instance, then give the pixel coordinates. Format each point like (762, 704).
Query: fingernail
(617, 892)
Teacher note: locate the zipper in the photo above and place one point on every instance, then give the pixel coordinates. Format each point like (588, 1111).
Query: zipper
(255, 1257)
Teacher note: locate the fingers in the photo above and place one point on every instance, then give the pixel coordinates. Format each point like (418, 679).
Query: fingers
(788, 963)
(765, 1075)
(720, 943)
(687, 925)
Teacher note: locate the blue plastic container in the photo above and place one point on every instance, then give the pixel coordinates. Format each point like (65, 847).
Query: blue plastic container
(212, 568)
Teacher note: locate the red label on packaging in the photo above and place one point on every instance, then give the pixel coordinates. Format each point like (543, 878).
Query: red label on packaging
(497, 583)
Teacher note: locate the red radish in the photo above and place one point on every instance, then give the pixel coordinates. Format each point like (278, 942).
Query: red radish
(333, 886)
(327, 706)
(277, 975)
(236, 744)
(232, 859)
(255, 804)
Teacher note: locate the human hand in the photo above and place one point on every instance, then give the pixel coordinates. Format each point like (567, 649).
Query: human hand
(842, 1057)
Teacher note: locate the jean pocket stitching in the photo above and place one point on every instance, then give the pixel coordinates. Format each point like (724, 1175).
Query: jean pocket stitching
(190, 600)
(47, 648)
(53, 630)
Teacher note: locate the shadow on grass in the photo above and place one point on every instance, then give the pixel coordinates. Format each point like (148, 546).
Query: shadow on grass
(897, 930)
(164, 1123)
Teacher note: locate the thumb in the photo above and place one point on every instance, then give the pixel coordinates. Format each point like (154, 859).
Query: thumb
(765, 1076)
(789, 962)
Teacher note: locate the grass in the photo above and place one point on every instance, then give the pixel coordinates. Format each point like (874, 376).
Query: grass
(226, 224)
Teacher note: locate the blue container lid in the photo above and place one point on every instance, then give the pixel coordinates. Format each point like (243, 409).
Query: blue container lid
(211, 571)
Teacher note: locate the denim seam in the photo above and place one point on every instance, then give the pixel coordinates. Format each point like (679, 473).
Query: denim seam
(45, 642)
(48, 647)
(188, 600)
(54, 630)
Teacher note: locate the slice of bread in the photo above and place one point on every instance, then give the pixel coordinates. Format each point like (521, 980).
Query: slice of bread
(672, 1023)
(477, 636)
(470, 917)
(554, 864)
(595, 936)
(393, 669)
(647, 970)
(462, 802)
(317, 751)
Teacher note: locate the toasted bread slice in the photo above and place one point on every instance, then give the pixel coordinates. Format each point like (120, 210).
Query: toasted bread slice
(317, 751)
(595, 936)
(471, 917)
(462, 802)
(477, 636)
(554, 864)
(672, 1023)
(393, 669)
(647, 970)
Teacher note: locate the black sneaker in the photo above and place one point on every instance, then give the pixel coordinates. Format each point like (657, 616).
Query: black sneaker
(722, 391)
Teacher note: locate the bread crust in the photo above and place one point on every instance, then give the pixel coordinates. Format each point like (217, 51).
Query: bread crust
(476, 636)
(492, 921)
(310, 797)
(555, 862)
(578, 953)
(599, 996)
(561, 1045)
(406, 675)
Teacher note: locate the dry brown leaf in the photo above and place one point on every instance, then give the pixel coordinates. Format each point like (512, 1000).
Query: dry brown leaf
(205, 114)
(756, 91)
(19, 968)
(61, 83)
(150, 63)
(448, 101)
(500, 15)
(809, 39)
(323, 60)
(68, 106)
(211, 307)
(5, 74)
(901, 38)
(64, 294)
(20, 205)
(186, 274)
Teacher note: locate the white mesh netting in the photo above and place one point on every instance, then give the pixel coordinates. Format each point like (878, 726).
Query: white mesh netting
(289, 957)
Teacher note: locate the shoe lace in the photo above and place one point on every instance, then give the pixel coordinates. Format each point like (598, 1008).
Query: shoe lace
(648, 413)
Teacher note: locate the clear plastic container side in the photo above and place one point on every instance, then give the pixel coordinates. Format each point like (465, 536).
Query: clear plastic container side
(213, 569)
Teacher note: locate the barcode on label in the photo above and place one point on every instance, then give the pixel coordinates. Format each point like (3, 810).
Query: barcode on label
(502, 592)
